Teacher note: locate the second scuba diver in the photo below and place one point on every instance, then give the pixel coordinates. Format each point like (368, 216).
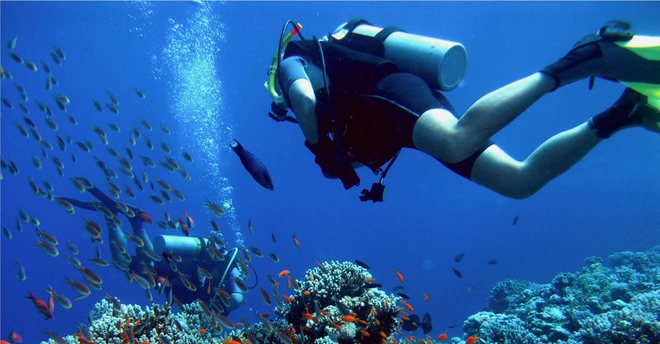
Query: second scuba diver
(363, 93)
(193, 267)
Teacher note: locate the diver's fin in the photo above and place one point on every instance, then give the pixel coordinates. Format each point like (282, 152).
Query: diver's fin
(614, 53)
(647, 47)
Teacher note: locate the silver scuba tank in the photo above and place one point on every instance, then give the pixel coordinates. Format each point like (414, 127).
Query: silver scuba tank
(440, 63)
(181, 245)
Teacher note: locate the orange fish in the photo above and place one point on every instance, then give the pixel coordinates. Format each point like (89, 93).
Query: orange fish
(15, 337)
(471, 340)
(399, 275)
(426, 297)
(410, 308)
(202, 331)
(284, 273)
(41, 306)
(442, 336)
(365, 333)
(349, 318)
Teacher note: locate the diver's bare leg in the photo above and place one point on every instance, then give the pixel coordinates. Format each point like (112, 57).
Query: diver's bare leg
(499, 172)
(444, 137)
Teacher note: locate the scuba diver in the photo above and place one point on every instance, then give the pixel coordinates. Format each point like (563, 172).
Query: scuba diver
(193, 267)
(364, 92)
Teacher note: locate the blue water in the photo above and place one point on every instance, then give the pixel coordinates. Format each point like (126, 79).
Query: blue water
(202, 67)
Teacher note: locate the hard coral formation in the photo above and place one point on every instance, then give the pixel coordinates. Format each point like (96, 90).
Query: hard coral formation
(154, 324)
(617, 304)
(334, 304)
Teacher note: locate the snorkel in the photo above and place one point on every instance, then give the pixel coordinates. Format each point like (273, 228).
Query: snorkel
(271, 84)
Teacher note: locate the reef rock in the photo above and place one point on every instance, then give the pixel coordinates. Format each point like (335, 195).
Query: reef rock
(600, 304)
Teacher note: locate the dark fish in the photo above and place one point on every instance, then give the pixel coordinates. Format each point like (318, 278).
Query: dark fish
(372, 285)
(255, 167)
(140, 93)
(515, 220)
(362, 264)
(16, 58)
(55, 58)
(12, 43)
(112, 108)
(187, 156)
(59, 52)
(6, 103)
(97, 105)
(165, 147)
(22, 92)
(112, 97)
(426, 323)
(22, 130)
(149, 144)
(45, 67)
(23, 108)
(6, 232)
(31, 66)
(273, 238)
(411, 324)
(398, 288)
(459, 257)
(403, 296)
(457, 273)
(60, 142)
(492, 261)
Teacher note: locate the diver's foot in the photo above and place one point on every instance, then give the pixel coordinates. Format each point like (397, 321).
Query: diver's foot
(594, 55)
(631, 109)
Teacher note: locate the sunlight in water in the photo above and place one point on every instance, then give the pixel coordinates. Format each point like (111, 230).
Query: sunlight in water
(191, 56)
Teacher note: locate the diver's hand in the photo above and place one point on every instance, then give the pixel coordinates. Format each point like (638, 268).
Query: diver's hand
(324, 152)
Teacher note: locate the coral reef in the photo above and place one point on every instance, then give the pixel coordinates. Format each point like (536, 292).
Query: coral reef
(617, 304)
(336, 303)
(155, 324)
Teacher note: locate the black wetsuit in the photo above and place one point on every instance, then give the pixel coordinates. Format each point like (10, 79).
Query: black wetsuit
(375, 105)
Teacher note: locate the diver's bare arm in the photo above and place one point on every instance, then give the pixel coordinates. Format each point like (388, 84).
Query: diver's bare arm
(303, 104)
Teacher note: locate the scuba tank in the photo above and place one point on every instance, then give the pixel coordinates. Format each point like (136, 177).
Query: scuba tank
(440, 63)
(191, 249)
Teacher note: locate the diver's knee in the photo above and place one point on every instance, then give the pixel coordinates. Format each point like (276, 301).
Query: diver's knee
(524, 185)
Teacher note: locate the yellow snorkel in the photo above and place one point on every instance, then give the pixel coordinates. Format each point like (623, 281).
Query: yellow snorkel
(270, 84)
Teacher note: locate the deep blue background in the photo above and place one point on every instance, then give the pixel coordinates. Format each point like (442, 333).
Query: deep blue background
(203, 67)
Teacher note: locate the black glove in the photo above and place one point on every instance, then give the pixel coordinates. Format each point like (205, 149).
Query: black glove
(331, 166)
(376, 194)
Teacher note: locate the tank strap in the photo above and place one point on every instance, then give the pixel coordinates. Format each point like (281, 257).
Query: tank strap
(365, 44)
(386, 32)
(355, 22)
